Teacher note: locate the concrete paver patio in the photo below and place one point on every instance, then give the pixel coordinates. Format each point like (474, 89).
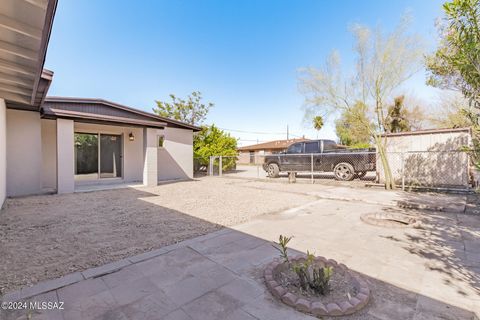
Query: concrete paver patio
(428, 273)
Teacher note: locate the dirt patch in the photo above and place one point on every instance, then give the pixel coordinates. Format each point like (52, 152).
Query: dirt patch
(45, 237)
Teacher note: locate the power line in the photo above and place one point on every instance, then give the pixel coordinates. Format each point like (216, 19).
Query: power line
(257, 132)
(253, 132)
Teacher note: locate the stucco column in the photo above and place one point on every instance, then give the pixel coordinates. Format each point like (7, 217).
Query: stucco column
(3, 151)
(65, 156)
(150, 152)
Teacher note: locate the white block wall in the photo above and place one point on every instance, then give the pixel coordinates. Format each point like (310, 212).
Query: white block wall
(65, 156)
(3, 152)
(49, 155)
(150, 168)
(175, 159)
(24, 153)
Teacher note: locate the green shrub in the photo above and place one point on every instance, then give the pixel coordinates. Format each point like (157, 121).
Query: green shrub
(282, 247)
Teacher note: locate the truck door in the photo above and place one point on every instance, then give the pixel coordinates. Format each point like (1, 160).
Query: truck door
(329, 157)
(312, 148)
(292, 161)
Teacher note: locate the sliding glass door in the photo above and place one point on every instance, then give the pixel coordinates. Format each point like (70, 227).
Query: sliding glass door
(110, 156)
(98, 156)
(86, 156)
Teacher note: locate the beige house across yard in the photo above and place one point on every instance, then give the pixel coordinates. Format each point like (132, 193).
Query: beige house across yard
(254, 153)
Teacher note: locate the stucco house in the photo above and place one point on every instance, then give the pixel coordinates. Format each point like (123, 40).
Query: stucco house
(254, 153)
(71, 142)
(58, 144)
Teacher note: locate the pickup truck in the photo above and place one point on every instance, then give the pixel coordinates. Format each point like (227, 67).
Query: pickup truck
(346, 164)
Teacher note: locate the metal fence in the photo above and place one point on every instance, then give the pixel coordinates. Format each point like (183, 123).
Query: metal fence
(422, 169)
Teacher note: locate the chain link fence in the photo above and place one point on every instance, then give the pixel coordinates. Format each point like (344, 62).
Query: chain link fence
(422, 169)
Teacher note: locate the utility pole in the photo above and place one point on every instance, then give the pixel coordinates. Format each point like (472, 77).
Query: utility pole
(287, 131)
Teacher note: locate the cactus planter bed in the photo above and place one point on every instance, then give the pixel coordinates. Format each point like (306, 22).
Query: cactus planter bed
(346, 293)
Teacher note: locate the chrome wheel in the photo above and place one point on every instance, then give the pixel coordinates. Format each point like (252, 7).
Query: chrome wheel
(344, 171)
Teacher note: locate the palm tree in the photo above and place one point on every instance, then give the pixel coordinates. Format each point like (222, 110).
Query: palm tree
(318, 123)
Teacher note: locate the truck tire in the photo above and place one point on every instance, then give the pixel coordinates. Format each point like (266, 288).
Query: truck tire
(360, 174)
(344, 171)
(273, 170)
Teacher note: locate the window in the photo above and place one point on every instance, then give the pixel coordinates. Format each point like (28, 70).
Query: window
(311, 147)
(161, 140)
(329, 145)
(295, 148)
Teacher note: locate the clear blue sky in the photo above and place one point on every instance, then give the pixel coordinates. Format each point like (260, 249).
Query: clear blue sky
(243, 55)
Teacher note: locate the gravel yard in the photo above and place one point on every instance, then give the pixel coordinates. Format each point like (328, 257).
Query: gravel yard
(44, 237)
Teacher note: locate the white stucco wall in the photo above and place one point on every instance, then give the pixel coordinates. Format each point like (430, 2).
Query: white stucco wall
(150, 157)
(65, 156)
(24, 153)
(3, 152)
(49, 155)
(132, 167)
(175, 159)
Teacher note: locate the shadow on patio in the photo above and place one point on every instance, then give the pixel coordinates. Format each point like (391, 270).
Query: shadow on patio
(216, 276)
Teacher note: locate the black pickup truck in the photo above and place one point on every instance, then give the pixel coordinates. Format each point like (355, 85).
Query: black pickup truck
(346, 164)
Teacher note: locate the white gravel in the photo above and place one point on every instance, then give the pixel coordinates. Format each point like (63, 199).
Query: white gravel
(45, 237)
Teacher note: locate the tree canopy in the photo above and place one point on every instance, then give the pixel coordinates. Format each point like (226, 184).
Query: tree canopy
(384, 61)
(211, 141)
(190, 110)
(350, 127)
(456, 62)
(397, 116)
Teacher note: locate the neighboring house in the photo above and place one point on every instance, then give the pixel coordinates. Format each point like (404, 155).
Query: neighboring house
(57, 144)
(71, 142)
(254, 153)
(429, 157)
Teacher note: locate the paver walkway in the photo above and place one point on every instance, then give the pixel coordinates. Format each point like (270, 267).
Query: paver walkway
(418, 274)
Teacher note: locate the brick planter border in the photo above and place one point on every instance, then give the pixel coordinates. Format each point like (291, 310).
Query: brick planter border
(389, 219)
(312, 305)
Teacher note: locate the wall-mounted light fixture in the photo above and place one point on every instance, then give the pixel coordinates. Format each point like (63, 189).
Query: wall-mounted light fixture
(131, 137)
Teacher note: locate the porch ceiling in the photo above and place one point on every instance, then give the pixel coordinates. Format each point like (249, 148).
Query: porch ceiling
(25, 27)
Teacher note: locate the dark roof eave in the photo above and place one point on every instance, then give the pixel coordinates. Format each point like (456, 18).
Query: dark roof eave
(89, 117)
(47, 31)
(123, 107)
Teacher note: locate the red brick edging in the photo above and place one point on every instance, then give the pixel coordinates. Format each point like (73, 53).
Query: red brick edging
(312, 305)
